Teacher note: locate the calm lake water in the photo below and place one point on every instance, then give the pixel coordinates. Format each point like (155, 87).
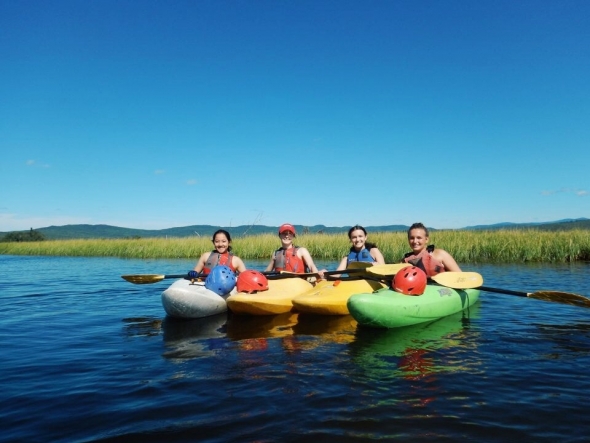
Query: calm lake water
(89, 357)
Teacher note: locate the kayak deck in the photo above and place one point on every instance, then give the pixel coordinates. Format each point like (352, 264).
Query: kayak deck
(390, 309)
(278, 299)
(184, 299)
(330, 297)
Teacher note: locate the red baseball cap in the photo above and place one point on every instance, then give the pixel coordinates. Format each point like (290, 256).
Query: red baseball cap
(287, 227)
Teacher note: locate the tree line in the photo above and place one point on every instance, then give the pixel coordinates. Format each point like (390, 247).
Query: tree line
(23, 236)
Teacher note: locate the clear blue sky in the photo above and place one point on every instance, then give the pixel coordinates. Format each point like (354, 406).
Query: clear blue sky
(156, 114)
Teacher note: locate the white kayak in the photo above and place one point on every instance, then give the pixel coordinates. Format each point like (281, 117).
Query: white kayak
(184, 299)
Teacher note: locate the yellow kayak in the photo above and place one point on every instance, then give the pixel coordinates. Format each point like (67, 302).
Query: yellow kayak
(276, 300)
(330, 297)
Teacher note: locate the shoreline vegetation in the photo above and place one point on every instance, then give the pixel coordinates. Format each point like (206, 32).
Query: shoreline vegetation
(498, 246)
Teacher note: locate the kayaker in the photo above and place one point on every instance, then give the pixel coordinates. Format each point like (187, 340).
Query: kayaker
(221, 255)
(361, 250)
(426, 257)
(289, 257)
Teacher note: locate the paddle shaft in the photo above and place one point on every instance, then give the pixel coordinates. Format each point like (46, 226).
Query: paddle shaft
(143, 279)
(286, 274)
(504, 291)
(181, 276)
(555, 296)
(456, 280)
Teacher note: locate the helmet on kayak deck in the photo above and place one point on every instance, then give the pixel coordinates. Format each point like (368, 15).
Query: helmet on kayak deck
(221, 280)
(252, 281)
(410, 281)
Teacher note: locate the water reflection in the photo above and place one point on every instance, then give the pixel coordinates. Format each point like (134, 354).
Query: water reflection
(414, 352)
(187, 338)
(329, 328)
(568, 338)
(299, 331)
(179, 329)
(142, 326)
(192, 338)
(240, 327)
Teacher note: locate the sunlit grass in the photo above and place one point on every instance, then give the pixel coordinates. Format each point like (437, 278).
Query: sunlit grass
(504, 246)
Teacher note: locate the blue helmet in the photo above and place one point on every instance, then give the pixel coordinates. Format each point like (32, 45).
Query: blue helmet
(221, 280)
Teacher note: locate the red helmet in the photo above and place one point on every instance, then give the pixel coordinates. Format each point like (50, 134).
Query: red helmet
(410, 281)
(251, 281)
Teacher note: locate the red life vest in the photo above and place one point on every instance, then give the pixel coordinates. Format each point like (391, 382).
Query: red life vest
(287, 260)
(217, 259)
(425, 261)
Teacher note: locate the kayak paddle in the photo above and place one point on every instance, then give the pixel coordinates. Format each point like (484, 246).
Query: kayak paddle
(146, 279)
(450, 279)
(466, 280)
(458, 280)
(556, 296)
(473, 280)
(388, 270)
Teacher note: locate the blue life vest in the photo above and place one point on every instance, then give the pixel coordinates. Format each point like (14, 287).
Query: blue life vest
(364, 255)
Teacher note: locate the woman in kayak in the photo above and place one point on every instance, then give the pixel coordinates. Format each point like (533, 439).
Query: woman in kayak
(289, 257)
(361, 250)
(426, 257)
(221, 255)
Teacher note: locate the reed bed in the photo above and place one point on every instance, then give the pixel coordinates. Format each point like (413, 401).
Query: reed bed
(503, 246)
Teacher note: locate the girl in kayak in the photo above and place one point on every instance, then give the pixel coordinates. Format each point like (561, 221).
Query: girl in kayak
(289, 257)
(221, 255)
(361, 250)
(430, 260)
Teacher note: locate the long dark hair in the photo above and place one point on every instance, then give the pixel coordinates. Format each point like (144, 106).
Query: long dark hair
(368, 245)
(224, 232)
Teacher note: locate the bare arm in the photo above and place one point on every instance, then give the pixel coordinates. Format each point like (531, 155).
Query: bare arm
(305, 255)
(271, 264)
(377, 256)
(447, 260)
(238, 264)
(201, 263)
(342, 264)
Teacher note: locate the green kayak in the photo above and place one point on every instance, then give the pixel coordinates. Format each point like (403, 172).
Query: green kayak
(386, 308)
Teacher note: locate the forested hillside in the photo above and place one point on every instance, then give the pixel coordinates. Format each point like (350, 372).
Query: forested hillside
(107, 231)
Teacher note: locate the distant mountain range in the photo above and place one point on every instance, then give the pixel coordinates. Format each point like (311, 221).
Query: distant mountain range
(107, 231)
(558, 225)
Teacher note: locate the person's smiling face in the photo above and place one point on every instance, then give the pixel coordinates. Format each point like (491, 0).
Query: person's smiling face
(286, 237)
(358, 239)
(417, 240)
(221, 243)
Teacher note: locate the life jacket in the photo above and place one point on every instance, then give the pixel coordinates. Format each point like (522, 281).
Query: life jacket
(364, 255)
(425, 261)
(287, 260)
(217, 259)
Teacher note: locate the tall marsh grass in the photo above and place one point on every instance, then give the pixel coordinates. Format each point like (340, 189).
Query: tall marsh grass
(504, 246)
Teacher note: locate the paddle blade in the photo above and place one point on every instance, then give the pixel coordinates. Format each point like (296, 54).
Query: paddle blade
(387, 270)
(562, 297)
(459, 280)
(144, 279)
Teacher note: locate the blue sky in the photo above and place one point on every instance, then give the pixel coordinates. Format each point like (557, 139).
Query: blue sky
(156, 114)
